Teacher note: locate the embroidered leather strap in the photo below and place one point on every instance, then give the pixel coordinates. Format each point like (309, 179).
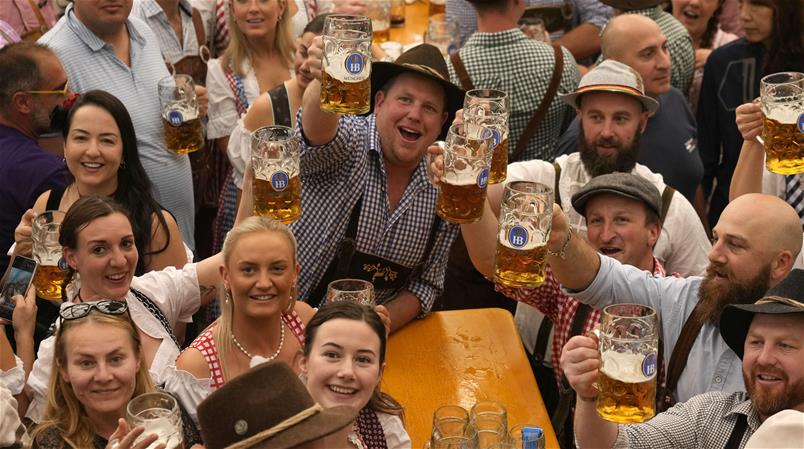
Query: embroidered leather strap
(541, 111)
(460, 70)
(156, 312)
(678, 358)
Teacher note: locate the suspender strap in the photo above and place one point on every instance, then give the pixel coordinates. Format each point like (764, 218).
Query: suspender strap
(566, 393)
(280, 105)
(460, 70)
(678, 358)
(542, 338)
(667, 196)
(737, 434)
(198, 24)
(39, 17)
(541, 111)
(54, 199)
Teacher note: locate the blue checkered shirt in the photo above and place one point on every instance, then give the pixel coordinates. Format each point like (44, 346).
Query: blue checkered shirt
(509, 61)
(334, 177)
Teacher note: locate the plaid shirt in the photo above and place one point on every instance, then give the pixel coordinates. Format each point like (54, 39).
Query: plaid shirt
(679, 45)
(706, 420)
(560, 308)
(511, 62)
(334, 177)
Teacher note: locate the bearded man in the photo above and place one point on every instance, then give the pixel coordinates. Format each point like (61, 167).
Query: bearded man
(756, 242)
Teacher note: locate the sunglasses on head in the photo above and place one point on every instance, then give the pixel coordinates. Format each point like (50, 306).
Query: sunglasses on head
(80, 310)
(64, 91)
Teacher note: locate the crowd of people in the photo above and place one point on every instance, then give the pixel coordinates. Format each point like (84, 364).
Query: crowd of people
(641, 115)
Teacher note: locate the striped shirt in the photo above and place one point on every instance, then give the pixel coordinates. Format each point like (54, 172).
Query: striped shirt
(511, 62)
(172, 50)
(334, 177)
(91, 64)
(7, 34)
(706, 420)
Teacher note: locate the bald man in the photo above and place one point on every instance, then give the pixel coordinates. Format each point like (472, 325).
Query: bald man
(668, 145)
(756, 242)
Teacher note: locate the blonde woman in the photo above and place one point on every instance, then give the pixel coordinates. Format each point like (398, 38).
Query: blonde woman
(260, 317)
(99, 367)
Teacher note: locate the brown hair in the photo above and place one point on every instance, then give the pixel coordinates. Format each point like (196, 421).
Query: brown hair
(381, 402)
(64, 413)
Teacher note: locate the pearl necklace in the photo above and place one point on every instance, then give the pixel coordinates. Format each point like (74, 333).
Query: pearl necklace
(278, 349)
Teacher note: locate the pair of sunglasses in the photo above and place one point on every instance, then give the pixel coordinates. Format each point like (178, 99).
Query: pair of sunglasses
(80, 310)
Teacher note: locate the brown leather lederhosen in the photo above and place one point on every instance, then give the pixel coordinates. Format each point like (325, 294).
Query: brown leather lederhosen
(193, 65)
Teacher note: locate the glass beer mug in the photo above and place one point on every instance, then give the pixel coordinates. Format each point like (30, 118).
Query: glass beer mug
(355, 290)
(275, 161)
(346, 68)
(491, 108)
(380, 13)
(48, 252)
(443, 33)
(158, 413)
(628, 349)
(180, 117)
(462, 190)
(526, 217)
(782, 102)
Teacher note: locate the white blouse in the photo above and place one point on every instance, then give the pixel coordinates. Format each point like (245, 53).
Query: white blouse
(174, 291)
(222, 104)
(396, 437)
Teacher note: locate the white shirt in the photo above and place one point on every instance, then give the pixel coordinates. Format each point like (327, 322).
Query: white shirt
(682, 246)
(222, 104)
(774, 184)
(174, 291)
(396, 437)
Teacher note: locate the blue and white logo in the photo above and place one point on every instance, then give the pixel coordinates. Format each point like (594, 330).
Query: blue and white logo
(495, 138)
(63, 264)
(354, 63)
(518, 236)
(175, 118)
(801, 122)
(483, 178)
(649, 365)
(279, 181)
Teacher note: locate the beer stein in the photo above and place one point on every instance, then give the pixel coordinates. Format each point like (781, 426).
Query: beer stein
(346, 68)
(436, 7)
(380, 13)
(158, 413)
(462, 190)
(491, 422)
(180, 118)
(526, 217)
(525, 437)
(490, 409)
(355, 290)
(48, 252)
(628, 349)
(491, 108)
(397, 13)
(533, 27)
(443, 33)
(782, 101)
(452, 428)
(275, 161)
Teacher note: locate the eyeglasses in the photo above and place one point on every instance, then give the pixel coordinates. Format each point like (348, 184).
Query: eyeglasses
(80, 310)
(64, 91)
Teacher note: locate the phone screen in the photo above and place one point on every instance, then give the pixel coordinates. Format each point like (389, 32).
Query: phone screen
(19, 280)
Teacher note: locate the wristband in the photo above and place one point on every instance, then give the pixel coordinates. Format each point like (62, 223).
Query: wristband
(562, 253)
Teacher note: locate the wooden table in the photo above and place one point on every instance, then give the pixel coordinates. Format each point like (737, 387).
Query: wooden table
(461, 357)
(415, 24)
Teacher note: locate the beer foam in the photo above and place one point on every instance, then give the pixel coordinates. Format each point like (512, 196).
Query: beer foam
(187, 112)
(784, 115)
(625, 367)
(463, 178)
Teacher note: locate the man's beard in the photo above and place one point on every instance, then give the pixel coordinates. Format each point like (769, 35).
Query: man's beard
(713, 298)
(768, 403)
(597, 165)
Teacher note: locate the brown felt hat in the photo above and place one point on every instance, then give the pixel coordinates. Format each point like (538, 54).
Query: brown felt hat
(267, 407)
(785, 297)
(425, 60)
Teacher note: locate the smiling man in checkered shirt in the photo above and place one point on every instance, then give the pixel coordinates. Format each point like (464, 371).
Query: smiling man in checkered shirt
(769, 338)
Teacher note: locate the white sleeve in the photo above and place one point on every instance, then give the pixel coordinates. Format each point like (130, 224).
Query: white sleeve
(175, 291)
(773, 184)
(188, 389)
(14, 379)
(239, 151)
(39, 378)
(222, 108)
(396, 437)
(683, 246)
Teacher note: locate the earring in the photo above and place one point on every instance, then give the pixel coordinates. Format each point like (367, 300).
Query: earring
(228, 296)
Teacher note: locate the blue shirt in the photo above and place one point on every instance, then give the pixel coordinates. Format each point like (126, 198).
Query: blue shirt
(711, 365)
(26, 171)
(334, 177)
(91, 64)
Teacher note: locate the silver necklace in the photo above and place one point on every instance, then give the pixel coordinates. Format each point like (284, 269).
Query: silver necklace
(278, 349)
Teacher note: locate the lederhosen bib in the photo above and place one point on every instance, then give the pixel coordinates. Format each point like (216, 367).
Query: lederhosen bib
(194, 65)
(349, 263)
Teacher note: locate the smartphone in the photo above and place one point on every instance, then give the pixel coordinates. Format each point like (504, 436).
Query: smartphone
(19, 281)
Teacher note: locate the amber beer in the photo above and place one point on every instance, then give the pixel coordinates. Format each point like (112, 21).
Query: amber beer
(275, 161)
(186, 137)
(499, 163)
(627, 395)
(784, 145)
(461, 200)
(346, 68)
(383, 35)
(48, 281)
(436, 7)
(519, 267)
